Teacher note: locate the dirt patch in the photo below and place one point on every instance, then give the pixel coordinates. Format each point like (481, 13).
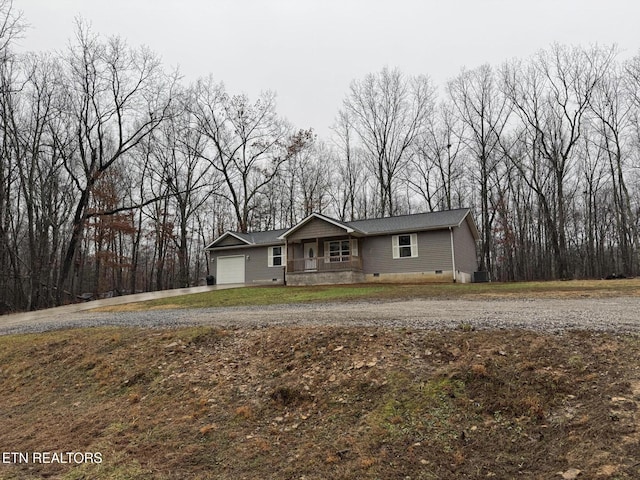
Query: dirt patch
(319, 402)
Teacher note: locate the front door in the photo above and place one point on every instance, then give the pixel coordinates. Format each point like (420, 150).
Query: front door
(310, 256)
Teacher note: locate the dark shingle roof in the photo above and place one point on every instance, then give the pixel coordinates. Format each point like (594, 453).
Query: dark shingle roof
(405, 223)
(374, 226)
(262, 238)
(252, 238)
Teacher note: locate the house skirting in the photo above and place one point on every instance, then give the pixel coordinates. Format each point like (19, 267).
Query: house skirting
(337, 278)
(324, 278)
(443, 276)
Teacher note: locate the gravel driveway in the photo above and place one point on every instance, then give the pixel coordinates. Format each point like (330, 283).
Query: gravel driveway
(618, 315)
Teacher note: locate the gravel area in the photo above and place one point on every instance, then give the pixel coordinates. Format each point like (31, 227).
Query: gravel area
(616, 315)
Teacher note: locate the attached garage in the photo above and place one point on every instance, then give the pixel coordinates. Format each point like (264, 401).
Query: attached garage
(230, 269)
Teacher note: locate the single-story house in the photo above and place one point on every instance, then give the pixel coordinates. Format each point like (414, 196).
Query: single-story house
(437, 246)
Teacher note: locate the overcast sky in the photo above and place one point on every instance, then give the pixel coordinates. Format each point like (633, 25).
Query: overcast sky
(308, 51)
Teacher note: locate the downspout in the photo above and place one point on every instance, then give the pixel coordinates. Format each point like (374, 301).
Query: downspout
(453, 255)
(286, 261)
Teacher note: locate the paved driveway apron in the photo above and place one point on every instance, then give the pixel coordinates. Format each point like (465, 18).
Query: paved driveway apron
(55, 317)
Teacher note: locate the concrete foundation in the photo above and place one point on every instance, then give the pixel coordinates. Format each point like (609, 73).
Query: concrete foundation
(324, 278)
(337, 278)
(445, 276)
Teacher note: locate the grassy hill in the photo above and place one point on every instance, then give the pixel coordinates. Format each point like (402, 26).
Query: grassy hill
(320, 403)
(361, 292)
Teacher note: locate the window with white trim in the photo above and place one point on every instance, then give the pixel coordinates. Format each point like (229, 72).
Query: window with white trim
(276, 256)
(405, 246)
(340, 250)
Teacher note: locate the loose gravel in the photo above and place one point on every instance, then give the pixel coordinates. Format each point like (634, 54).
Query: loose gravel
(615, 315)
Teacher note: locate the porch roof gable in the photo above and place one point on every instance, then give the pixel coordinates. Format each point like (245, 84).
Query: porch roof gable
(347, 228)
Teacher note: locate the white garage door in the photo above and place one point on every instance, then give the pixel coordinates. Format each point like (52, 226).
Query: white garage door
(230, 269)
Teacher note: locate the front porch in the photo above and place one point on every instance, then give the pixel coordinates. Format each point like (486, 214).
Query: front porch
(320, 251)
(324, 270)
(323, 262)
(312, 264)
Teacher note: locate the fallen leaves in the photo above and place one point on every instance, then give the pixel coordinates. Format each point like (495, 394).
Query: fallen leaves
(570, 474)
(279, 399)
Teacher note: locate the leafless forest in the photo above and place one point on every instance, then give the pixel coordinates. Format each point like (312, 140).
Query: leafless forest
(115, 172)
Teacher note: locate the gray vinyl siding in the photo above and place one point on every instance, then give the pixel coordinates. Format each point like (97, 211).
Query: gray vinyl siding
(256, 264)
(316, 228)
(258, 269)
(465, 248)
(434, 253)
(229, 242)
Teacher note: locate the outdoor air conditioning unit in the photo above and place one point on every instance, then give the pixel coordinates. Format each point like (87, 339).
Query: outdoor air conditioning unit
(480, 277)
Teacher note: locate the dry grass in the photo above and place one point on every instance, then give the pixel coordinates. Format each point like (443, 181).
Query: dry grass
(320, 403)
(269, 295)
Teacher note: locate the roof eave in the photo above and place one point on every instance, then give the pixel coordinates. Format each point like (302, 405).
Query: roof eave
(400, 231)
(243, 247)
(225, 235)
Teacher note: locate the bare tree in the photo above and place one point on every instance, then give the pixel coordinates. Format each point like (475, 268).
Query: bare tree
(30, 125)
(314, 176)
(436, 167)
(13, 149)
(485, 112)
(551, 94)
(249, 144)
(12, 26)
(179, 147)
(350, 184)
(117, 96)
(389, 111)
(612, 112)
(306, 177)
(595, 175)
(300, 185)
